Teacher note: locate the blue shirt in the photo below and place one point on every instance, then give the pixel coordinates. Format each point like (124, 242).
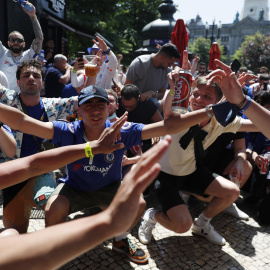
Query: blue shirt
(29, 145)
(105, 168)
(53, 88)
(261, 144)
(69, 91)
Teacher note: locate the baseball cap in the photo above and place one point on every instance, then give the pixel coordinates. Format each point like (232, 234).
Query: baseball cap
(90, 92)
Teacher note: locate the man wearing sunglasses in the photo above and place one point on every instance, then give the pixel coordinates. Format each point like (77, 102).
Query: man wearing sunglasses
(12, 56)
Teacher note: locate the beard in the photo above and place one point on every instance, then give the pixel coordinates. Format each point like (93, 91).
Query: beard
(16, 50)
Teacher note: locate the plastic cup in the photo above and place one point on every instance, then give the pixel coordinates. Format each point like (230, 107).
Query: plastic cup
(234, 179)
(90, 66)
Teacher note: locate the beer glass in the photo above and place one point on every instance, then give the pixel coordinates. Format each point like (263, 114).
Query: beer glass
(90, 66)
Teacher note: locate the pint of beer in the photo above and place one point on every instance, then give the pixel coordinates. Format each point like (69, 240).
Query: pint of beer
(90, 66)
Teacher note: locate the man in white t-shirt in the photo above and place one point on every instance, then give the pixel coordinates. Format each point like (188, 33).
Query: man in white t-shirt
(182, 169)
(10, 58)
(3, 79)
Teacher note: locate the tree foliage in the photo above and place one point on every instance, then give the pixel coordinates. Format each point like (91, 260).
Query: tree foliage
(120, 22)
(202, 46)
(254, 52)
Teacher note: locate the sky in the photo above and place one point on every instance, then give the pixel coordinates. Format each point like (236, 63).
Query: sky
(220, 10)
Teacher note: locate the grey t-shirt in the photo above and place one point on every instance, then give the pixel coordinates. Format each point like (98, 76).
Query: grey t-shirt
(145, 76)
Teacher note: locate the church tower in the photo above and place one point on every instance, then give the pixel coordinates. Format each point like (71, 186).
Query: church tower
(256, 9)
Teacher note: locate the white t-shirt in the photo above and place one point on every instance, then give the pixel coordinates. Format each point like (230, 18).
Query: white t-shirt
(180, 162)
(9, 63)
(3, 80)
(108, 71)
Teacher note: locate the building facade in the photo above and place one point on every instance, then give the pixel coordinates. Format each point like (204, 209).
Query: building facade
(254, 17)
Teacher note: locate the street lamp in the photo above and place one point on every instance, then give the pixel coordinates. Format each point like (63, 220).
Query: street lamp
(212, 38)
(206, 29)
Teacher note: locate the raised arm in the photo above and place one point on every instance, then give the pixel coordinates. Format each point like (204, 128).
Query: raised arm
(174, 124)
(231, 88)
(63, 242)
(18, 170)
(37, 42)
(195, 64)
(18, 120)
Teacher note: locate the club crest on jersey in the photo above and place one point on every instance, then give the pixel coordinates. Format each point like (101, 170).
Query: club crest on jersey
(110, 158)
(71, 127)
(126, 126)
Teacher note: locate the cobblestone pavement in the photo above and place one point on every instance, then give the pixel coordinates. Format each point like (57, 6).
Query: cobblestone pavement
(248, 245)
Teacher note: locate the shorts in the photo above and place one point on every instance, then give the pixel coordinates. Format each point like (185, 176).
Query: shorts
(167, 186)
(43, 189)
(80, 199)
(35, 192)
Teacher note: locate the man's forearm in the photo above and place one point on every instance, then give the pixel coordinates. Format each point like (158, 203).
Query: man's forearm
(37, 42)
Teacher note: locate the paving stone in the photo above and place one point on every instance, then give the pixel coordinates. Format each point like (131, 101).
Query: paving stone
(247, 248)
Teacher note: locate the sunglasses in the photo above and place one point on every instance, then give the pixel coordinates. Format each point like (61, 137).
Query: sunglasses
(19, 40)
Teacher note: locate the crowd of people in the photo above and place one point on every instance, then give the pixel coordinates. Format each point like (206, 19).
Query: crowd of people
(119, 122)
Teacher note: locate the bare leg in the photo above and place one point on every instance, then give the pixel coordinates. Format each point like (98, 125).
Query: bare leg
(19, 228)
(225, 193)
(177, 219)
(56, 210)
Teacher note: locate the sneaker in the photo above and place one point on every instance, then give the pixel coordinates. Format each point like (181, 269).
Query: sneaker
(134, 253)
(234, 211)
(209, 233)
(146, 227)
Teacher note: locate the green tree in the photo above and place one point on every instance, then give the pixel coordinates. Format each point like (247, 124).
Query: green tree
(254, 52)
(120, 22)
(202, 46)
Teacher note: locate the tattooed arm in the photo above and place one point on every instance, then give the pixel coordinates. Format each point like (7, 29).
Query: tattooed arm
(37, 42)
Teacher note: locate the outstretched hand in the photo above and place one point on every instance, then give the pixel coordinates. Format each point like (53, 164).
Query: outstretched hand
(125, 204)
(174, 75)
(108, 138)
(227, 81)
(101, 44)
(244, 78)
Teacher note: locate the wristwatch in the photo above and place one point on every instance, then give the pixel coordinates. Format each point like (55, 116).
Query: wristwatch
(107, 52)
(207, 108)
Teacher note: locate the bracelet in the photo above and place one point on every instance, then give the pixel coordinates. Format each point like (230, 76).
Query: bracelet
(88, 152)
(247, 104)
(241, 103)
(73, 70)
(107, 52)
(207, 108)
(171, 92)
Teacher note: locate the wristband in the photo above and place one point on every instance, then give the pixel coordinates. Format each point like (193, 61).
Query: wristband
(107, 52)
(88, 152)
(207, 108)
(225, 112)
(171, 92)
(241, 103)
(73, 70)
(246, 105)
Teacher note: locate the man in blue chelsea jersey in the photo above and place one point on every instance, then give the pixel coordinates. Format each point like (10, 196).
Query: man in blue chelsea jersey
(92, 182)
